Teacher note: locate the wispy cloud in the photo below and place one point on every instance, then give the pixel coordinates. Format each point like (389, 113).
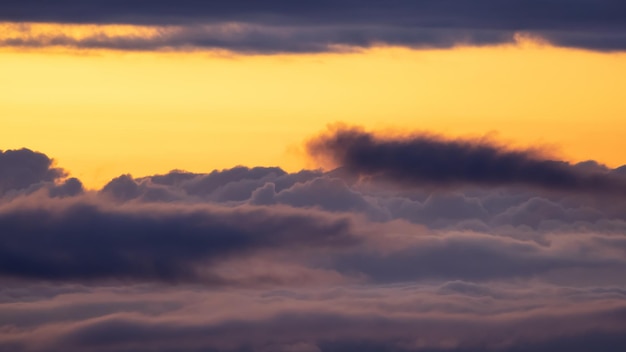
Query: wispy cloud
(319, 26)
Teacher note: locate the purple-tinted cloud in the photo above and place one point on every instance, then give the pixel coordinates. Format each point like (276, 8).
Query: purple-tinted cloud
(23, 169)
(423, 160)
(451, 316)
(317, 26)
(260, 259)
(73, 240)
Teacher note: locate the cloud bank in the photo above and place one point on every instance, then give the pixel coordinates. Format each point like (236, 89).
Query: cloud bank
(411, 244)
(283, 26)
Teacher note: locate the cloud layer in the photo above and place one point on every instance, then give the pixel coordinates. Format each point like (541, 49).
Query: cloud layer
(412, 244)
(319, 26)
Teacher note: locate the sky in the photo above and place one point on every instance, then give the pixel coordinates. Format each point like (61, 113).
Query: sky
(281, 176)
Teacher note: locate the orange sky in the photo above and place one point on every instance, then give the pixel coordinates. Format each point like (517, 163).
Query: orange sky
(101, 114)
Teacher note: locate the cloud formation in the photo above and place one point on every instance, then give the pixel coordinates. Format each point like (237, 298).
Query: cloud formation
(431, 160)
(285, 26)
(23, 168)
(441, 247)
(81, 241)
(454, 316)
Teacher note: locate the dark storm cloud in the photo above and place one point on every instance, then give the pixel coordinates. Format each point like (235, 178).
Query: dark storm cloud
(315, 26)
(80, 241)
(23, 168)
(423, 160)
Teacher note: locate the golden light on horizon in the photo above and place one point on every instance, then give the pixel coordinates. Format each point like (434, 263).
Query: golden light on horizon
(437, 156)
(104, 113)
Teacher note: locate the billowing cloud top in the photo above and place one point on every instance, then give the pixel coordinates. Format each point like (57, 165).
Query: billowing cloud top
(21, 169)
(412, 244)
(318, 26)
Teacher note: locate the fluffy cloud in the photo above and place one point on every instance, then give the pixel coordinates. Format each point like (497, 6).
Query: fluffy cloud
(23, 169)
(407, 246)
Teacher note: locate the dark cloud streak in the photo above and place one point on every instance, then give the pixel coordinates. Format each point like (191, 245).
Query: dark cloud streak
(423, 160)
(316, 26)
(83, 241)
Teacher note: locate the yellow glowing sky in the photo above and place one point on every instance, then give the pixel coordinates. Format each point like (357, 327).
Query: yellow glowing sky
(101, 114)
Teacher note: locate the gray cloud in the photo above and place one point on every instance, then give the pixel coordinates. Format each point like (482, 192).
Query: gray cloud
(260, 259)
(284, 26)
(81, 241)
(451, 316)
(423, 160)
(23, 169)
